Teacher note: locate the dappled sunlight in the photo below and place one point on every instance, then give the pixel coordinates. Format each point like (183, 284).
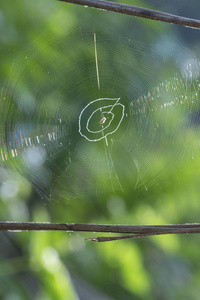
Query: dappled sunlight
(100, 124)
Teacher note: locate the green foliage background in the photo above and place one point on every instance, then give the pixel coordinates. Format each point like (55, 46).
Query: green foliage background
(59, 265)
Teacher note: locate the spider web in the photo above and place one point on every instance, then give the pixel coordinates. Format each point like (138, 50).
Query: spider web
(91, 112)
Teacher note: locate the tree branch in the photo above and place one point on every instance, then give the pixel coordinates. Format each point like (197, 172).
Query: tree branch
(138, 12)
(135, 230)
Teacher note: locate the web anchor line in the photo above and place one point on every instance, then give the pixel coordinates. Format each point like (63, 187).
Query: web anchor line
(96, 60)
(112, 172)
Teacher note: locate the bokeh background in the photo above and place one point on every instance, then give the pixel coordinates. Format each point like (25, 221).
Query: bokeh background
(60, 265)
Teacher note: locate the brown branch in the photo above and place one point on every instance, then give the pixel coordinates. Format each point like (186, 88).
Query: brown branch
(134, 236)
(135, 230)
(138, 12)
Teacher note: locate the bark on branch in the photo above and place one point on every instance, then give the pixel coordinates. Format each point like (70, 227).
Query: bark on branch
(138, 12)
(134, 231)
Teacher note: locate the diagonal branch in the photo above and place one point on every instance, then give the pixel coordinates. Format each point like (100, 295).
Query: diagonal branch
(134, 231)
(138, 12)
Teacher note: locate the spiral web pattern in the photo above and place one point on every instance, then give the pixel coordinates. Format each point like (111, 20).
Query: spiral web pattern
(106, 113)
(84, 114)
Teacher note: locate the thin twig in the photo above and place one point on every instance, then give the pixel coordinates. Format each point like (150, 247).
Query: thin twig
(139, 229)
(138, 12)
(136, 231)
(134, 236)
